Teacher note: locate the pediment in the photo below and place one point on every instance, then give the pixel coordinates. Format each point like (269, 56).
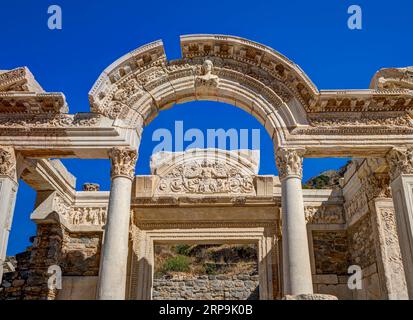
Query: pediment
(205, 171)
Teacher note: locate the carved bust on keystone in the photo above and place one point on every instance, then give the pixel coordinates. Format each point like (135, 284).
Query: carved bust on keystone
(91, 186)
(207, 78)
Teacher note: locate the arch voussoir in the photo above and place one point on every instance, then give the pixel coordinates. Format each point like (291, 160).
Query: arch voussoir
(260, 81)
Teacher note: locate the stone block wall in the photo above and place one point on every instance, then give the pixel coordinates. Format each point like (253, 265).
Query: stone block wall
(212, 287)
(14, 282)
(77, 254)
(331, 260)
(330, 252)
(363, 253)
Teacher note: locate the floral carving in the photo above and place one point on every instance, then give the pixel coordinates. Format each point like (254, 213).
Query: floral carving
(44, 121)
(123, 161)
(128, 90)
(400, 162)
(391, 252)
(289, 162)
(61, 207)
(373, 119)
(324, 214)
(357, 205)
(376, 186)
(7, 162)
(206, 177)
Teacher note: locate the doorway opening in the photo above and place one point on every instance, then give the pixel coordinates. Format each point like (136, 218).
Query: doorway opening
(205, 272)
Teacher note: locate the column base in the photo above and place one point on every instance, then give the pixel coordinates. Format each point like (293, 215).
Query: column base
(310, 296)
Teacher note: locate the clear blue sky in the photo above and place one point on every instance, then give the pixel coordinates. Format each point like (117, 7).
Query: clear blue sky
(314, 34)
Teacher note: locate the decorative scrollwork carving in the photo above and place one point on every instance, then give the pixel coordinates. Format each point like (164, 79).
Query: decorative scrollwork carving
(400, 162)
(324, 214)
(123, 161)
(289, 162)
(61, 206)
(376, 186)
(206, 177)
(7, 162)
(45, 121)
(368, 120)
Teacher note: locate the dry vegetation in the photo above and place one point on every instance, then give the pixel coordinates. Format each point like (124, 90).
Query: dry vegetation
(205, 259)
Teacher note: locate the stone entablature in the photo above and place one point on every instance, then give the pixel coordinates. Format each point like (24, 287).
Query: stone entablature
(87, 210)
(19, 80)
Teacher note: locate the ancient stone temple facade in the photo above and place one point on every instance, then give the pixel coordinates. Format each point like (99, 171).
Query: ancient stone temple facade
(103, 241)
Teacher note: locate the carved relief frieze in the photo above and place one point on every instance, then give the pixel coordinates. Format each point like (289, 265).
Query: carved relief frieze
(352, 123)
(251, 54)
(7, 162)
(324, 214)
(52, 121)
(32, 103)
(95, 216)
(358, 120)
(206, 177)
(391, 254)
(376, 101)
(61, 207)
(376, 185)
(356, 206)
(127, 90)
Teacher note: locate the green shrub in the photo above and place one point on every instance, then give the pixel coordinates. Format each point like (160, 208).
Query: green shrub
(183, 249)
(176, 264)
(210, 268)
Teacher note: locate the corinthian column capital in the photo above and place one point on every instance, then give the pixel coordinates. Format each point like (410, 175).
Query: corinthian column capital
(289, 162)
(123, 161)
(400, 162)
(7, 162)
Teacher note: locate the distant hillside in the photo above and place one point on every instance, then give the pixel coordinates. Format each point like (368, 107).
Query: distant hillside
(327, 180)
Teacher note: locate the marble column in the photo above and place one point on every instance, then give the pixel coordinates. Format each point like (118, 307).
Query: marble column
(401, 174)
(297, 278)
(8, 190)
(113, 267)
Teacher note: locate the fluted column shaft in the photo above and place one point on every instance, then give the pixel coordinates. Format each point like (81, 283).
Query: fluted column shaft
(113, 267)
(297, 278)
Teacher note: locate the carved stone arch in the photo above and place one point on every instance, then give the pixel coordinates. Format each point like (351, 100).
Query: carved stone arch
(265, 84)
(219, 68)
